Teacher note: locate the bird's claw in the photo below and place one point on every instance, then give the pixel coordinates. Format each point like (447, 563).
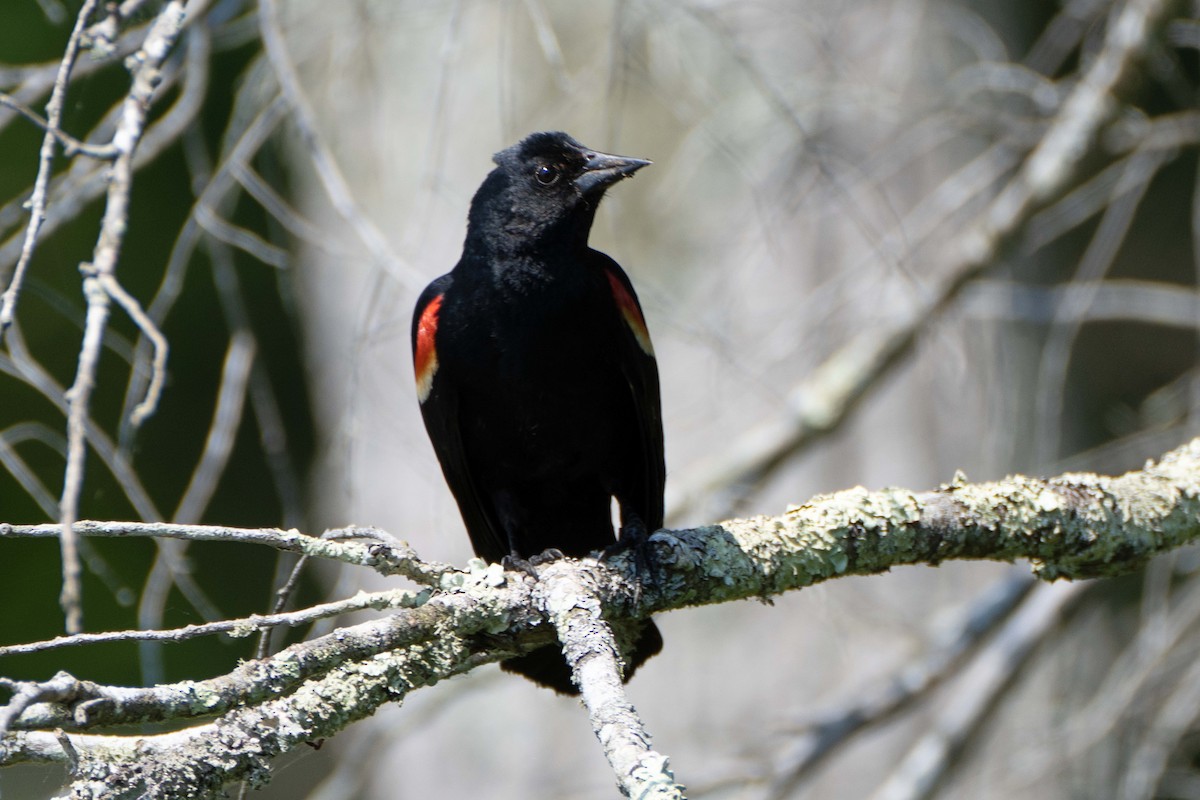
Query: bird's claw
(529, 565)
(546, 556)
(634, 538)
(518, 564)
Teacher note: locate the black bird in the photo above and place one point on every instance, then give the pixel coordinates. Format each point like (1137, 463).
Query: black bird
(536, 376)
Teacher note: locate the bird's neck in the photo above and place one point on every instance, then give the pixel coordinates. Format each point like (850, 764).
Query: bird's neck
(520, 242)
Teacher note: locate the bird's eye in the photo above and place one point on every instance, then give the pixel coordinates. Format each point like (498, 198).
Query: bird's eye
(546, 174)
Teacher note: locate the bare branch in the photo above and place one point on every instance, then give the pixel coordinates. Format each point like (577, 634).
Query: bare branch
(364, 547)
(571, 603)
(37, 202)
(227, 416)
(71, 145)
(1076, 525)
(236, 628)
(98, 276)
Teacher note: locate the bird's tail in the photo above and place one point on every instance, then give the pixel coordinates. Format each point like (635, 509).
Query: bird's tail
(548, 668)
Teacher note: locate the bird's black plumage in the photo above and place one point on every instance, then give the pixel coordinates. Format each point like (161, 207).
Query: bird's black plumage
(536, 376)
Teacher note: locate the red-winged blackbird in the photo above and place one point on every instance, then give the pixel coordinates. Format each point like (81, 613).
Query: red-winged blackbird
(536, 376)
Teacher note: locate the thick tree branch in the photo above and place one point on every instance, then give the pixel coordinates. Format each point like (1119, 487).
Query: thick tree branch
(1071, 526)
(1074, 526)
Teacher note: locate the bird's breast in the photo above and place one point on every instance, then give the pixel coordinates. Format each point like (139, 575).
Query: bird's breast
(538, 383)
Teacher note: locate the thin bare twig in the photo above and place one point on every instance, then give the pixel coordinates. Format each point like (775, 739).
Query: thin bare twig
(158, 367)
(71, 146)
(37, 202)
(364, 547)
(227, 416)
(76, 398)
(97, 274)
(245, 626)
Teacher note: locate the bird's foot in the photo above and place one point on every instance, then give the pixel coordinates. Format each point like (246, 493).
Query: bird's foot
(546, 556)
(634, 538)
(518, 564)
(529, 565)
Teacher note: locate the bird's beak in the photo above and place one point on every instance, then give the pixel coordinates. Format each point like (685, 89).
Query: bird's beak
(602, 170)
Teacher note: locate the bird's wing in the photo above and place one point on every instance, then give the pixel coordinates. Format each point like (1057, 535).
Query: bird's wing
(438, 397)
(636, 357)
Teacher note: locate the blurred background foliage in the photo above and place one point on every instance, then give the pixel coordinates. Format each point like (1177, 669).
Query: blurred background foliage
(814, 164)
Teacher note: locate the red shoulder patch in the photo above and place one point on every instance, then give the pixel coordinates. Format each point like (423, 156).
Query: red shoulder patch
(425, 360)
(631, 312)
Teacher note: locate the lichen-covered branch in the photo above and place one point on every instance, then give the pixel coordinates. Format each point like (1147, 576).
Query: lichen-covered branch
(245, 626)
(88, 705)
(1071, 526)
(197, 762)
(571, 602)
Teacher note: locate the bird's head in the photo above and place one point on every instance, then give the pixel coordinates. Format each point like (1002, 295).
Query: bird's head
(546, 186)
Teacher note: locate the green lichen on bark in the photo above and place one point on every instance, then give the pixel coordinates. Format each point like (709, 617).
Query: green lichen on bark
(196, 763)
(1072, 526)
